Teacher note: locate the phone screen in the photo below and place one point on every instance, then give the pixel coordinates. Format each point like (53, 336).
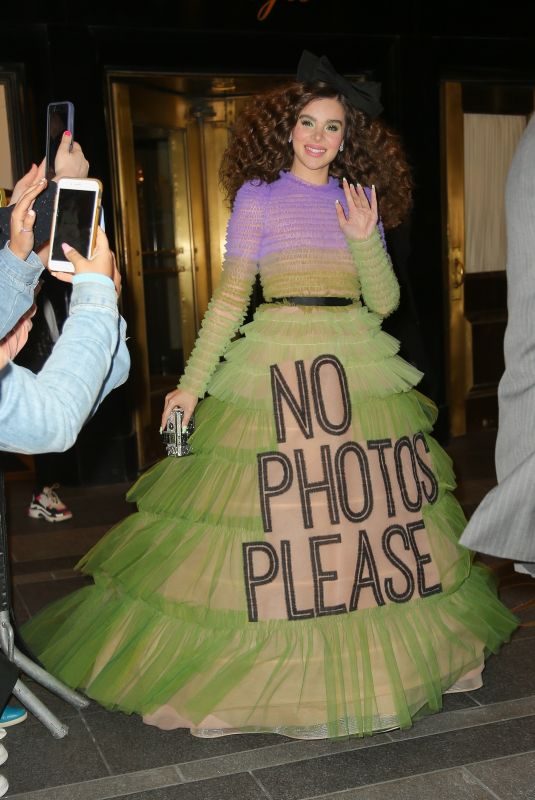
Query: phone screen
(74, 218)
(60, 119)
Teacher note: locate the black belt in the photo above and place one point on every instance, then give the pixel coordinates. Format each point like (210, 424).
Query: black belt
(313, 301)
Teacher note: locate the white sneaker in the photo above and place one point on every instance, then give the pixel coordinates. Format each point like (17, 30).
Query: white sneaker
(4, 785)
(47, 505)
(3, 755)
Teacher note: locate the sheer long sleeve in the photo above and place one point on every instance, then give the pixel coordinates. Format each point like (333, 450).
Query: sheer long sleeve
(379, 285)
(228, 306)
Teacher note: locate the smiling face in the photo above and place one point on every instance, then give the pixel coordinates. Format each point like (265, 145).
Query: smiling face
(316, 139)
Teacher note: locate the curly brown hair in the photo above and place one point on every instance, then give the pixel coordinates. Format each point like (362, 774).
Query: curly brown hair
(258, 148)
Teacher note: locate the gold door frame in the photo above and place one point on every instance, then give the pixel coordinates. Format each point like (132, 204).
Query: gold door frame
(458, 336)
(129, 251)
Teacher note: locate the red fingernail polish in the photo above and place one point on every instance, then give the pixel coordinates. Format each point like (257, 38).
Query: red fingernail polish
(68, 133)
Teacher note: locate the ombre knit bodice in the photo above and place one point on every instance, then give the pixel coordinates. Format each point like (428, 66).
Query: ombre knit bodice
(288, 231)
(302, 250)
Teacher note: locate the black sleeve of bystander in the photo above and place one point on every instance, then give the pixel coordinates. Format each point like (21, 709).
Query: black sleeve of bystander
(44, 207)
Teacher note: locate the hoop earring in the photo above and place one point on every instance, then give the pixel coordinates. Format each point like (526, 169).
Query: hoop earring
(341, 148)
(290, 139)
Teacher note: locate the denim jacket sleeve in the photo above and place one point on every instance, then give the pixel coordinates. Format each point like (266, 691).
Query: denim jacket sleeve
(18, 280)
(44, 413)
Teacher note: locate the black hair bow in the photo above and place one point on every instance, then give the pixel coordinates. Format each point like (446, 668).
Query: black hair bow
(363, 95)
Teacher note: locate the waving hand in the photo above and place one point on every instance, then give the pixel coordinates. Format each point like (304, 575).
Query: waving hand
(362, 217)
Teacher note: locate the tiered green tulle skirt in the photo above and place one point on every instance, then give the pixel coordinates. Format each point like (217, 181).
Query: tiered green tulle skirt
(295, 574)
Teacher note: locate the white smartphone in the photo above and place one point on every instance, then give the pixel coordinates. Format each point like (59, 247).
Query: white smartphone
(59, 118)
(75, 220)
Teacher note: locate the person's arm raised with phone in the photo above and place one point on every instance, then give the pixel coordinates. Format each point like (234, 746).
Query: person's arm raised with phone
(89, 359)
(20, 267)
(69, 163)
(21, 273)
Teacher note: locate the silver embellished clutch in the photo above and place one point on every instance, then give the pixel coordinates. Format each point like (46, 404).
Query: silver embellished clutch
(174, 438)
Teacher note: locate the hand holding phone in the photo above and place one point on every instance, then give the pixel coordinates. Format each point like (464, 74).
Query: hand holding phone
(34, 174)
(60, 118)
(70, 160)
(101, 262)
(21, 224)
(75, 220)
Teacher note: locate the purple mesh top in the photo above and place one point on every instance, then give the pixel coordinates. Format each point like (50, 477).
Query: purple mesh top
(295, 214)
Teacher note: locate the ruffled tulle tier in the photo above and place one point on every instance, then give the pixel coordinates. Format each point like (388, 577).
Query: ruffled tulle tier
(289, 333)
(358, 618)
(351, 674)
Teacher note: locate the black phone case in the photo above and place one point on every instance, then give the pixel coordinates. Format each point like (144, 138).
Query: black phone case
(44, 209)
(49, 167)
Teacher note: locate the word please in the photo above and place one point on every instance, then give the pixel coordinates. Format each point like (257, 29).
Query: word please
(263, 564)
